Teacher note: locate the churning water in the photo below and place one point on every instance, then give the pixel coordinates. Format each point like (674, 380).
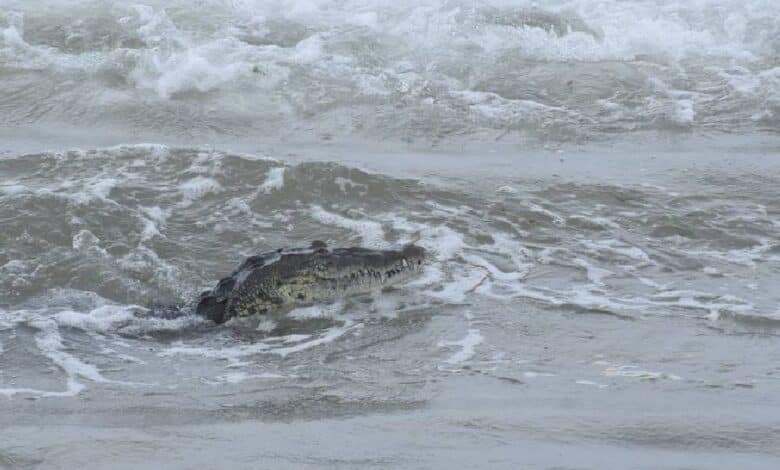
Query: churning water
(574, 69)
(598, 184)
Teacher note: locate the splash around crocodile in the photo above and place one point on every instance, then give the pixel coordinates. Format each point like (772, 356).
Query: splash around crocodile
(292, 277)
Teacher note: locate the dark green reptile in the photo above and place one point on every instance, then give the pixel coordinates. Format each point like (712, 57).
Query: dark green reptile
(300, 276)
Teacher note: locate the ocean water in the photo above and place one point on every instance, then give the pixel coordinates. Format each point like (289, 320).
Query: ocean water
(597, 183)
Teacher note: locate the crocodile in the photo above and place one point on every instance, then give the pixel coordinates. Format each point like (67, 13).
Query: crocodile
(292, 277)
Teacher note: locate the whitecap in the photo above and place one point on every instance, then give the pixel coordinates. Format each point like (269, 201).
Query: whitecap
(467, 346)
(198, 187)
(274, 180)
(369, 231)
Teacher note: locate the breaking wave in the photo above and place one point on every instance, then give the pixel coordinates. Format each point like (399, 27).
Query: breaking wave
(421, 70)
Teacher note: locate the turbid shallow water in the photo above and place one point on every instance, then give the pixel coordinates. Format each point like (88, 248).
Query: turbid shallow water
(602, 212)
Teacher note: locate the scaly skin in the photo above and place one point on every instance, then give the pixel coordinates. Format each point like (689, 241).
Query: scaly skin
(294, 277)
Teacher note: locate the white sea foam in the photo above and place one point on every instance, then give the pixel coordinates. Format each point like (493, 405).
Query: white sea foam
(317, 311)
(431, 275)
(330, 335)
(443, 241)
(13, 189)
(619, 248)
(267, 325)
(280, 345)
(174, 63)
(439, 240)
(153, 219)
(102, 319)
(467, 346)
(124, 357)
(49, 341)
(346, 184)
(300, 56)
(590, 219)
(369, 231)
(460, 286)
(529, 374)
(713, 304)
(591, 383)
(636, 372)
(556, 218)
(506, 190)
(86, 241)
(50, 344)
(238, 377)
(274, 180)
(595, 274)
(198, 187)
